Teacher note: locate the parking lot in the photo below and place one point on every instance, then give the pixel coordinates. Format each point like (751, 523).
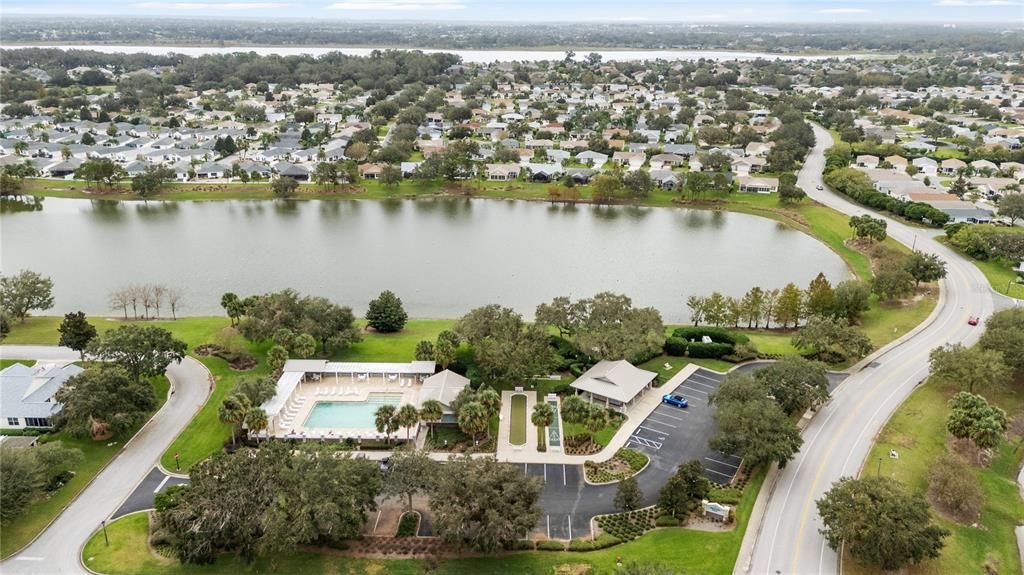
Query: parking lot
(672, 435)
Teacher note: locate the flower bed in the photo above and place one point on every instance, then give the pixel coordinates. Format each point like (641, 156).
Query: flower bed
(630, 525)
(625, 463)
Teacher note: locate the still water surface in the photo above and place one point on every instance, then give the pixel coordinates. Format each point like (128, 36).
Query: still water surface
(443, 257)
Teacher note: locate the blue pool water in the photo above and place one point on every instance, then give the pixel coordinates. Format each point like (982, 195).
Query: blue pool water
(349, 414)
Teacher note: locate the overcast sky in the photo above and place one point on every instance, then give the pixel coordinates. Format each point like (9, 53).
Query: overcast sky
(1007, 12)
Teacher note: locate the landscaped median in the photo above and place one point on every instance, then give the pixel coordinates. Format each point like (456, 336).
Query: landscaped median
(625, 463)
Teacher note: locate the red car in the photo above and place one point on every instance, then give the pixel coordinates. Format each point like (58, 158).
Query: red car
(972, 320)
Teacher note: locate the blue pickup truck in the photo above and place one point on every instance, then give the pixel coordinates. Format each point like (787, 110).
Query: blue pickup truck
(676, 400)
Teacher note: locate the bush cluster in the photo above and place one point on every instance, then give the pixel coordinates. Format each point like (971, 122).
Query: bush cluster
(689, 341)
(550, 545)
(630, 525)
(717, 334)
(601, 472)
(407, 525)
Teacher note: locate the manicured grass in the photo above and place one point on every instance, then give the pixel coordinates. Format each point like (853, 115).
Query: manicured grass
(517, 431)
(884, 323)
(947, 153)
(95, 454)
(399, 346)
(684, 551)
(917, 432)
(1000, 275)
(773, 342)
(5, 363)
(42, 330)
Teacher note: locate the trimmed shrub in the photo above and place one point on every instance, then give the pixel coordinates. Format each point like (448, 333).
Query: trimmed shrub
(520, 545)
(709, 350)
(717, 334)
(550, 545)
(666, 521)
(581, 545)
(675, 346)
(726, 495)
(606, 540)
(408, 524)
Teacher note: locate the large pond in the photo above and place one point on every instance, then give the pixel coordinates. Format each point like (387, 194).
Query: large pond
(468, 56)
(441, 256)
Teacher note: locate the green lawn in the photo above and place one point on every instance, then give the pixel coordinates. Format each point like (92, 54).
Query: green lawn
(96, 454)
(5, 363)
(917, 432)
(884, 323)
(394, 346)
(1000, 275)
(517, 431)
(684, 551)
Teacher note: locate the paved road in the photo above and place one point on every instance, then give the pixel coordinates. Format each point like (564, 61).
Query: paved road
(144, 495)
(44, 353)
(839, 437)
(58, 549)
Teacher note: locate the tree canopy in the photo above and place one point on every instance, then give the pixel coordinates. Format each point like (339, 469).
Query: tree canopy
(879, 523)
(103, 399)
(23, 292)
(606, 326)
(143, 351)
(385, 313)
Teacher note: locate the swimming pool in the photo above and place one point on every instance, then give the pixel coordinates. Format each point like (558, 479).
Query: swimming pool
(349, 414)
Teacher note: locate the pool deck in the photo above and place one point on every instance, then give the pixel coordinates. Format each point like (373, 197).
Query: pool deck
(307, 394)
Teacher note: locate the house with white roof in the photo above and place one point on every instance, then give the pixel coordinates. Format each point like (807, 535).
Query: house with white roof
(443, 387)
(27, 394)
(616, 384)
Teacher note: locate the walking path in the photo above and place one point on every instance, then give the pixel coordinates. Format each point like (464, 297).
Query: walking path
(58, 549)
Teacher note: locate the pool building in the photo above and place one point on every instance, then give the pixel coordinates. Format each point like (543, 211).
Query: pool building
(320, 399)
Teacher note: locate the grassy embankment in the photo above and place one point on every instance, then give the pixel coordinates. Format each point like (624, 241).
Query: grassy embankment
(686, 551)
(96, 455)
(1000, 274)
(917, 432)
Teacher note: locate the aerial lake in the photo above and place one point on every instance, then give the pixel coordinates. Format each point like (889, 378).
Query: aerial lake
(443, 257)
(468, 56)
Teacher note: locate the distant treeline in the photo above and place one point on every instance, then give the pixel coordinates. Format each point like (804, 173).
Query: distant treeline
(769, 38)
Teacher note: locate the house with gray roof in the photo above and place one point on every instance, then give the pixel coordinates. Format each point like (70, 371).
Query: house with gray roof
(26, 393)
(443, 387)
(616, 384)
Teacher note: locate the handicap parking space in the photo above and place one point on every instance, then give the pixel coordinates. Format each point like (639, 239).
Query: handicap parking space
(145, 492)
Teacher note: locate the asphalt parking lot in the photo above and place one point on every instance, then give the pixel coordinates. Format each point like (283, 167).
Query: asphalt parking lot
(145, 493)
(672, 435)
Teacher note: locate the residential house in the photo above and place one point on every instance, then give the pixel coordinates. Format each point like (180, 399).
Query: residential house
(502, 172)
(591, 158)
(27, 393)
(867, 161)
(758, 185)
(443, 387)
(951, 166)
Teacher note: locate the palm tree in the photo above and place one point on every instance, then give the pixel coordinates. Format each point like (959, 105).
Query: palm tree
(431, 412)
(490, 399)
(384, 419)
(407, 417)
(473, 418)
(256, 420)
(232, 411)
(543, 415)
(575, 410)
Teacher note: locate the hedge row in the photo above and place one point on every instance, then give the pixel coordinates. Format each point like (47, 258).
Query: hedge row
(717, 334)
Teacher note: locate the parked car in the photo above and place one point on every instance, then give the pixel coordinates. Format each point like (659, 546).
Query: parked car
(821, 187)
(676, 400)
(973, 320)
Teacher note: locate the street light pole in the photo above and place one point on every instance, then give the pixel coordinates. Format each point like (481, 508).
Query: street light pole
(104, 525)
(879, 467)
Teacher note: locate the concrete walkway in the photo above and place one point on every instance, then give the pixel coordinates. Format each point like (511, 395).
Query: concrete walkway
(58, 549)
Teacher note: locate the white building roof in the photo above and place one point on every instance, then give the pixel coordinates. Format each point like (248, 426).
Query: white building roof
(28, 391)
(442, 387)
(617, 380)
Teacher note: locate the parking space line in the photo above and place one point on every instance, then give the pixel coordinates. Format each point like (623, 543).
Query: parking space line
(545, 473)
(728, 475)
(162, 483)
(651, 429)
(692, 389)
(564, 480)
(570, 526)
(549, 527)
(663, 414)
(723, 463)
(708, 385)
(662, 423)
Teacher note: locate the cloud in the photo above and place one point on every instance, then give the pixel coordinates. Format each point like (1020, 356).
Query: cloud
(843, 11)
(977, 3)
(397, 5)
(215, 6)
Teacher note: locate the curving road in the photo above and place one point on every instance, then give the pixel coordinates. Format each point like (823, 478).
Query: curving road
(836, 442)
(58, 549)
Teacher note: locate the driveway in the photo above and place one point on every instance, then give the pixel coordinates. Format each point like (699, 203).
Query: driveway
(58, 549)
